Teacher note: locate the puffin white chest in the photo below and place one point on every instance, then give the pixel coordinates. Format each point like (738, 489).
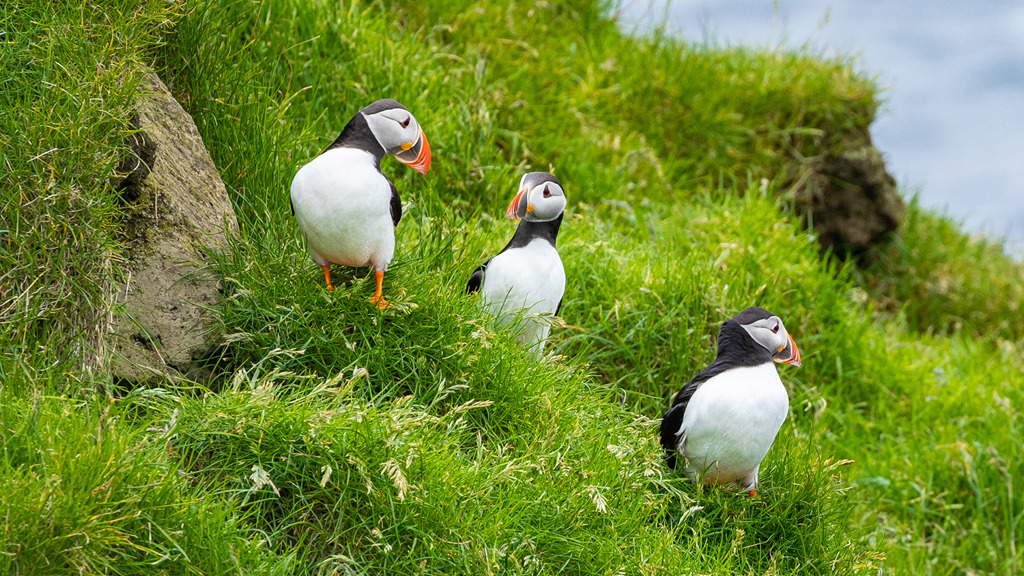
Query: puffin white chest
(731, 421)
(530, 279)
(343, 207)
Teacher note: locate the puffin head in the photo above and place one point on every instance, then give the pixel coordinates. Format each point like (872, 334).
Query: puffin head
(398, 133)
(540, 198)
(768, 332)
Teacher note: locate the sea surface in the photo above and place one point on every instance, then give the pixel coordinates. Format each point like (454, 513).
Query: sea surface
(952, 125)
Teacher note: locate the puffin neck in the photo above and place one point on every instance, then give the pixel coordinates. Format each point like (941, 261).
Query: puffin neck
(737, 348)
(528, 231)
(357, 134)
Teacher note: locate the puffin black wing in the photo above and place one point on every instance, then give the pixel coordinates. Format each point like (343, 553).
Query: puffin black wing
(476, 280)
(396, 204)
(673, 420)
(557, 310)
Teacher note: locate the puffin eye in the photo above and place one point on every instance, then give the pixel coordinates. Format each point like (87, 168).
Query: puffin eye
(776, 329)
(405, 123)
(547, 192)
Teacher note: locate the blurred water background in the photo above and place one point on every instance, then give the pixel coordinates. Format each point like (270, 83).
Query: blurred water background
(952, 125)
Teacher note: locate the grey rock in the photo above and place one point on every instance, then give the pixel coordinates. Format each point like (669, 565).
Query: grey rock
(177, 205)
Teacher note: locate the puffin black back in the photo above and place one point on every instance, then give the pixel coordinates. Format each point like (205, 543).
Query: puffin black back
(528, 231)
(357, 134)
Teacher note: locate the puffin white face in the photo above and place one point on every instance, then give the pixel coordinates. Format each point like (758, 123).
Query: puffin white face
(540, 198)
(771, 333)
(400, 134)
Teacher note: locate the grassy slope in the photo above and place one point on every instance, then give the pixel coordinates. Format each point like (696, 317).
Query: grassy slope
(85, 487)
(451, 453)
(64, 117)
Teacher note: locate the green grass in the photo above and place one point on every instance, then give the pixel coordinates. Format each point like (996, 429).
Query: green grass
(336, 438)
(63, 117)
(88, 489)
(942, 280)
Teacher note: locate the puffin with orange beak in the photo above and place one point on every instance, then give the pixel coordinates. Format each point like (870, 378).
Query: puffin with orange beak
(525, 282)
(346, 208)
(724, 420)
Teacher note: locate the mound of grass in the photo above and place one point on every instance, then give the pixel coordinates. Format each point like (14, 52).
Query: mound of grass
(942, 280)
(86, 488)
(532, 471)
(337, 438)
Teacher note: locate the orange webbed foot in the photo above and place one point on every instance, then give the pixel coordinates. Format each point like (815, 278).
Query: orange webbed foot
(378, 296)
(327, 276)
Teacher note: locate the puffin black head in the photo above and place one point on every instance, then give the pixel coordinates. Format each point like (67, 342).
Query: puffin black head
(757, 336)
(540, 198)
(387, 127)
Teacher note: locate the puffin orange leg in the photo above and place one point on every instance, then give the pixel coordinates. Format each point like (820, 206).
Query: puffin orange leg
(378, 296)
(327, 276)
(752, 493)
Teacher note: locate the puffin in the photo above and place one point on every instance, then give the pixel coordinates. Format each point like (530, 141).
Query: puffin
(526, 280)
(724, 420)
(346, 208)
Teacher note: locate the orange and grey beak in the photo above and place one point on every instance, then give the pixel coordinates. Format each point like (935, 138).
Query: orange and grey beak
(417, 155)
(788, 354)
(519, 206)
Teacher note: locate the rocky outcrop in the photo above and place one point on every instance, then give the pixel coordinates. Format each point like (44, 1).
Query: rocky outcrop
(178, 208)
(850, 198)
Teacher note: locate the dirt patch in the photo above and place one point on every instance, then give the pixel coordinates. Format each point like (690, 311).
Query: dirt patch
(849, 198)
